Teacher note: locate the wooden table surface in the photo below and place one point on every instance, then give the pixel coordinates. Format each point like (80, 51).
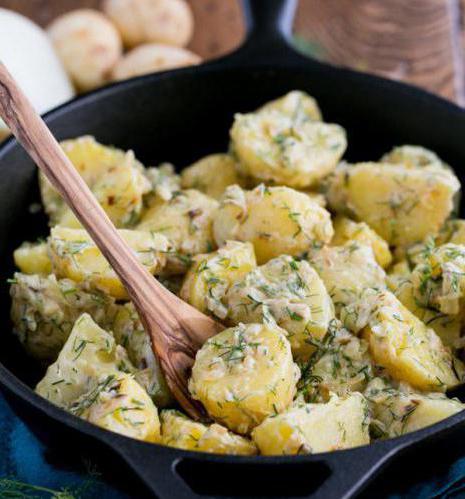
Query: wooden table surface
(419, 41)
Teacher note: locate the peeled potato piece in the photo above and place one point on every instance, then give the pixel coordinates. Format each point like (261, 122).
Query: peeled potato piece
(287, 293)
(33, 258)
(244, 374)
(297, 105)
(153, 57)
(181, 432)
(118, 403)
(276, 220)
(74, 255)
(88, 45)
(312, 428)
(143, 21)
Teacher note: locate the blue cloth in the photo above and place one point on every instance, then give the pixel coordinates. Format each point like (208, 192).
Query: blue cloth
(23, 461)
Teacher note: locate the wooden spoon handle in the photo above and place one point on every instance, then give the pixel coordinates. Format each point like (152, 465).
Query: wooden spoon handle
(177, 329)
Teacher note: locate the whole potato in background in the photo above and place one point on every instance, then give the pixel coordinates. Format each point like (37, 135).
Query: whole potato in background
(88, 45)
(153, 57)
(144, 21)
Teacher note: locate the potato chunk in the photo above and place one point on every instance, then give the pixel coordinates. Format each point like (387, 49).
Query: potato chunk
(181, 432)
(407, 348)
(186, 220)
(346, 230)
(212, 174)
(114, 176)
(89, 353)
(276, 147)
(312, 428)
(413, 157)
(33, 259)
(44, 309)
(166, 183)
(347, 270)
(118, 403)
(297, 105)
(211, 275)
(74, 255)
(276, 220)
(244, 374)
(397, 411)
(129, 332)
(403, 205)
(286, 293)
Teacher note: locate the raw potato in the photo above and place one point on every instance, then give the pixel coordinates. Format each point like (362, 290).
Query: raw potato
(153, 57)
(406, 348)
(403, 205)
(312, 428)
(88, 354)
(297, 105)
(397, 411)
(120, 404)
(347, 270)
(142, 21)
(346, 230)
(276, 220)
(181, 432)
(44, 309)
(114, 176)
(129, 332)
(341, 365)
(211, 275)
(212, 174)
(244, 374)
(74, 255)
(33, 258)
(88, 45)
(274, 147)
(286, 293)
(186, 220)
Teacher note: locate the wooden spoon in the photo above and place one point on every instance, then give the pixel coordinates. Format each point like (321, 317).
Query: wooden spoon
(177, 330)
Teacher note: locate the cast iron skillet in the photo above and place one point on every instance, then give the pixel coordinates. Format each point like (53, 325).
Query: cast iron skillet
(179, 116)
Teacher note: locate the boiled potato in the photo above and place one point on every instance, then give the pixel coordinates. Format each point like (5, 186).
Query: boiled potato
(244, 374)
(88, 45)
(276, 220)
(412, 157)
(166, 183)
(274, 147)
(212, 174)
(453, 232)
(286, 293)
(312, 428)
(33, 259)
(186, 220)
(114, 176)
(89, 353)
(403, 205)
(346, 230)
(407, 348)
(297, 105)
(118, 403)
(397, 411)
(142, 21)
(129, 332)
(153, 57)
(181, 432)
(341, 365)
(75, 256)
(44, 309)
(347, 270)
(211, 275)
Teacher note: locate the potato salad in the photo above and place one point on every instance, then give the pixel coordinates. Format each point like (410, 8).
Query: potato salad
(340, 287)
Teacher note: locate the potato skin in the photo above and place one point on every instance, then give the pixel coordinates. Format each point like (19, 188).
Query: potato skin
(150, 58)
(276, 220)
(244, 374)
(312, 428)
(211, 275)
(287, 293)
(88, 45)
(143, 21)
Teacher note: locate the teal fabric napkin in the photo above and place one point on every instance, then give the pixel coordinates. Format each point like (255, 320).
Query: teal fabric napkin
(28, 471)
